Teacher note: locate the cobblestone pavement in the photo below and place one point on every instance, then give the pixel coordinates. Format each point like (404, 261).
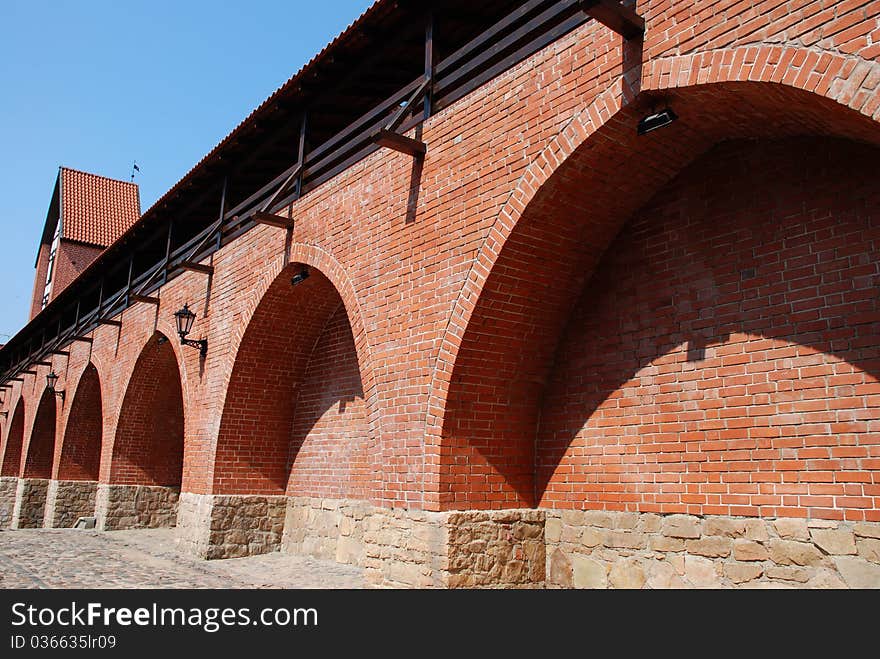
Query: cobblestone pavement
(44, 558)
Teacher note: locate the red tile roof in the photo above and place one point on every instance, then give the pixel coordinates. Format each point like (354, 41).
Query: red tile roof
(95, 209)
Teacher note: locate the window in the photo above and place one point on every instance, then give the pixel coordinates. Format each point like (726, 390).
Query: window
(50, 267)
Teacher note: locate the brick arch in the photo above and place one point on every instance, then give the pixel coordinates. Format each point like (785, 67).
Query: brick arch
(80, 458)
(580, 169)
(846, 79)
(314, 256)
(41, 444)
(718, 359)
(148, 443)
(14, 441)
(296, 389)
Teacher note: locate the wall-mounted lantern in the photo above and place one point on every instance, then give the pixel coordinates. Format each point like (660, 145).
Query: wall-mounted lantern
(185, 318)
(51, 381)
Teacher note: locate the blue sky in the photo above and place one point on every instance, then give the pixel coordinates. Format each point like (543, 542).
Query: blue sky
(95, 85)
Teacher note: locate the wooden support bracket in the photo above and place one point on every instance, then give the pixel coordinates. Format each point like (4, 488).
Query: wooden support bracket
(398, 142)
(63, 353)
(273, 220)
(82, 339)
(107, 321)
(195, 267)
(616, 16)
(28, 372)
(146, 299)
(42, 363)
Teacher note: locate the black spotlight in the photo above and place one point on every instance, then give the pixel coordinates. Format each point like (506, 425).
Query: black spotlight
(301, 277)
(657, 120)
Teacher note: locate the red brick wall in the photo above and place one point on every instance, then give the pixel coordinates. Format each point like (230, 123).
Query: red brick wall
(14, 441)
(70, 260)
(41, 444)
(849, 26)
(148, 449)
(457, 296)
(331, 446)
(80, 458)
(277, 396)
(724, 358)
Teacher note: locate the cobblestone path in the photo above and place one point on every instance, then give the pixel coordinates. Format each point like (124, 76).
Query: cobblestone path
(49, 558)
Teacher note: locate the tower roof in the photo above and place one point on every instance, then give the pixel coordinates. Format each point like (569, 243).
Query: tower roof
(96, 209)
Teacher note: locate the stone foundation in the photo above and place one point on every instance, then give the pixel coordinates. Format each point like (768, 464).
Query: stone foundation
(595, 549)
(8, 488)
(30, 503)
(330, 529)
(474, 549)
(414, 549)
(227, 526)
(67, 501)
(396, 548)
(120, 507)
(515, 548)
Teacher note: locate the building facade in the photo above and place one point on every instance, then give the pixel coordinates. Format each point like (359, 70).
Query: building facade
(503, 336)
(86, 214)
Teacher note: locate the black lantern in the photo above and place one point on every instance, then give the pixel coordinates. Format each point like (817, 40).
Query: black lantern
(185, 318)
(51, 381)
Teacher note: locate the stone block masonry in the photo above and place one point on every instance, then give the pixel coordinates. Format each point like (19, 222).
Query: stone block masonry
(598, 549)
(135, 507)
(227, 526)
(8, 488)
(30, 503)
(397, 548)
(416, 549)
(67, 501)
(326, 528)
(475, 549)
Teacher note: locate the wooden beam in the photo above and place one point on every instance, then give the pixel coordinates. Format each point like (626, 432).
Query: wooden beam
(400, 143)
(406, 107)
(146, 299)
(107, 321)
(194, 267)
(16, 379)
(295, 174)
(616, 16)
(42, 363)
(63, 353)
(273, 220)
(82, 339)
(28, 372)
(429, 65)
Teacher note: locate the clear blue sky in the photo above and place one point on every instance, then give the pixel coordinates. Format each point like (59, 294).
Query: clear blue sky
(97, 84)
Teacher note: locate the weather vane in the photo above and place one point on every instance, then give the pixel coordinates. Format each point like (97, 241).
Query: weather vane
(134, 168)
